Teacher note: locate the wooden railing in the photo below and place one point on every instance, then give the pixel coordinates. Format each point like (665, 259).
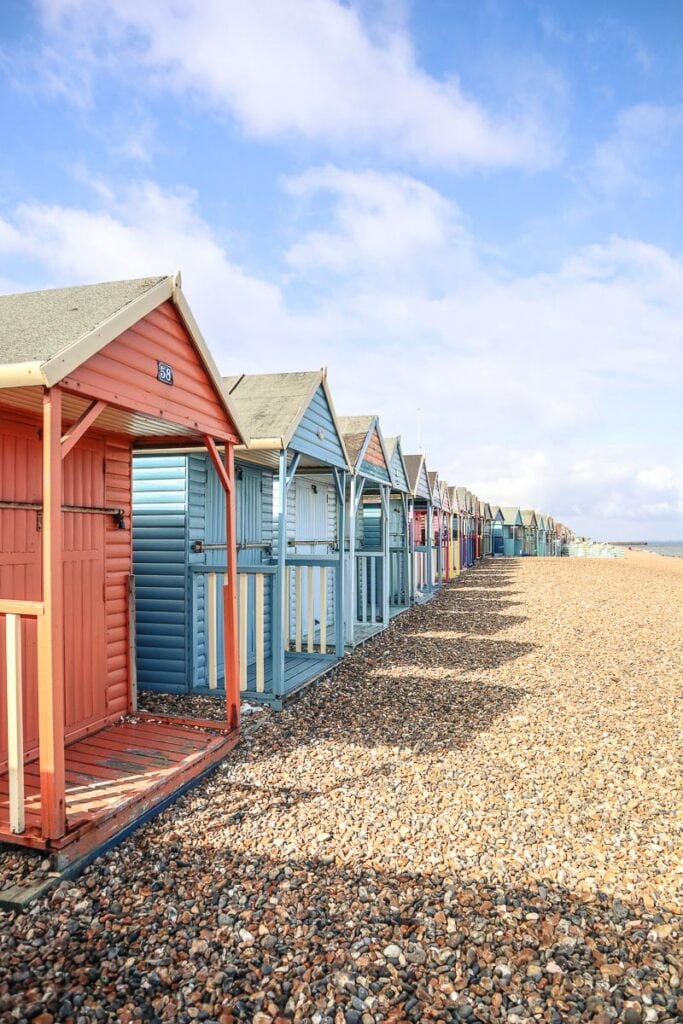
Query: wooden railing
(369, 586)
(14, 612)
(253, 599)
(399, 596)
(421, 574)
(309, 613)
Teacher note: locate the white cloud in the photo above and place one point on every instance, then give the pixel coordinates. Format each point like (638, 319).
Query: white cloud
(630, 159)
(517, 377)
(381, 224)
(313, 69)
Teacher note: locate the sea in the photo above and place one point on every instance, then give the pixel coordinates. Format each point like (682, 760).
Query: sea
(665, 547)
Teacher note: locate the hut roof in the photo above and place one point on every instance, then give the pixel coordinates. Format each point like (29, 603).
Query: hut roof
(37, 326)
(413, 465)
(434, 487)
(511, 515)
(397, 463)
(355, 430)
(528, 517)
(46, 335)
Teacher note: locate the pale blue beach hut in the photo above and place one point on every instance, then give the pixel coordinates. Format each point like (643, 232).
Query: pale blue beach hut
(290, 486)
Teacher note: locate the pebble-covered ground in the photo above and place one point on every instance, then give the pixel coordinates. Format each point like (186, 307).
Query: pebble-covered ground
(478, 817)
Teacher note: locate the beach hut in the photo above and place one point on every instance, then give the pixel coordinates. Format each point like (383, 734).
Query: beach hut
(471, 528)
(400, 564)
(86, 375)
(463, 520)
(456, 530)
(497, 530)
(290, 482)
(437, 521)
(447, 571)
(487, 529)
(541, 535)
(513, 530)
(368, 494)
(530, 525)
(422, 536)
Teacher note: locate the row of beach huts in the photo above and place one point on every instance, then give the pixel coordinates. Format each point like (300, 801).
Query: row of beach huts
(166, 528)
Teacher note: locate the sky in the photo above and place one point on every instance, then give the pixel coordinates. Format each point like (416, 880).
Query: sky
(469, 213)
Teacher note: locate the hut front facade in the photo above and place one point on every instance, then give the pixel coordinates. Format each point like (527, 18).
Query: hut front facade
(530, 524)
(87, 374)
(290, 484)
(422, 533)
(400, 555)
(368, 493)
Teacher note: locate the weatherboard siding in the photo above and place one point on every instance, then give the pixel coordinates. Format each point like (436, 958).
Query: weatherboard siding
(160, 520)
(316, 434)
(124, 372)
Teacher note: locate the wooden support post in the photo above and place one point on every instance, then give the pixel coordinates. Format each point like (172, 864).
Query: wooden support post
(298, 607)
(280, 584)
(351, 564)
(15, 723)
(132, 645)
(230, 652)
(429, 530)
(51, 629)
(386, 557)
(340, 580)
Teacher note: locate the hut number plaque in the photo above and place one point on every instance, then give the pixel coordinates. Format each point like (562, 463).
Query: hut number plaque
(164, 373)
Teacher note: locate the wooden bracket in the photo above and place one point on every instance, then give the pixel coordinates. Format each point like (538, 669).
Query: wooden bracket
(83, 423)
(218, 464)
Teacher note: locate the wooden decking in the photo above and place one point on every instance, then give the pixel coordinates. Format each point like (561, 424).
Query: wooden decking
(115, 777)
(301, 669)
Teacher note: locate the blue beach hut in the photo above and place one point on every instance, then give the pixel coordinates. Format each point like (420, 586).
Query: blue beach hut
(399, 530)
(513, 530)
(421, 520)
(368, 495)
(290, 483)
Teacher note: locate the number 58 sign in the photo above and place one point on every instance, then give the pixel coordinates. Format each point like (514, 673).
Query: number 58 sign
(164, 373)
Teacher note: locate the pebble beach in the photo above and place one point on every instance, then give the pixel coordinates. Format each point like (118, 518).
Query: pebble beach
(478, 816)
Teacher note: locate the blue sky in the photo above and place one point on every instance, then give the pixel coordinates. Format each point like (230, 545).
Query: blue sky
(471, 210)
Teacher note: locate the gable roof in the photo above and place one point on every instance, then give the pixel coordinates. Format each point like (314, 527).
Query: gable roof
(528, 517)
(272, 405)
(417, 476)
(358, 432)
(355, 430)
(45, 335)
(445, 496)
(461, 498)
(397, 464)
(511, 515)
(434, 487)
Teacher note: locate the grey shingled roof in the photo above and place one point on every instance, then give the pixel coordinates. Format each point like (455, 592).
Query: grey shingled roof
(270, 405)
(354, 431)
(36, 326)
(509, 514)
(413, 466)
(528, 516)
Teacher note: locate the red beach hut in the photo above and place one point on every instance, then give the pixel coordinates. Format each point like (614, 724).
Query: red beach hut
(87, 374)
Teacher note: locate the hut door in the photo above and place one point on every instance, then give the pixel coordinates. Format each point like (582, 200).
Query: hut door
(85, 670)
(311, 525)
(20, 561)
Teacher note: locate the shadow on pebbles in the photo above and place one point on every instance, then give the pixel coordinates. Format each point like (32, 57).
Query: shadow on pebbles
(476, 817)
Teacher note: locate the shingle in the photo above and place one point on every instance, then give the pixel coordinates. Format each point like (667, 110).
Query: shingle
(271, 404)
(36, 326)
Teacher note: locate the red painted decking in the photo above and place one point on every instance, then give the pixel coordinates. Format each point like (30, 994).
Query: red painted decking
(115, 776)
